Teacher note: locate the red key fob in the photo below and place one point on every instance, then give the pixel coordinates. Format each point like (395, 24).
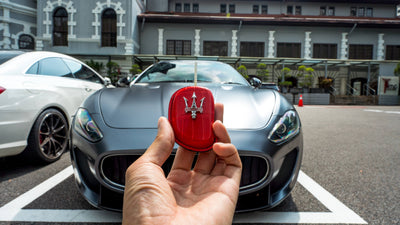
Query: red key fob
(191, 114)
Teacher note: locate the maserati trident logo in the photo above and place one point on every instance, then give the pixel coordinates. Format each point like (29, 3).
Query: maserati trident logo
(194, 109)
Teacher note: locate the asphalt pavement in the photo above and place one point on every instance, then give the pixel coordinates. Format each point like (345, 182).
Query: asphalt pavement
(349, 176)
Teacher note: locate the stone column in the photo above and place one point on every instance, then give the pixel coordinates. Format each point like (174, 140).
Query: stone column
(344, 47)
(271, 44)
(234, 44)
(6, 43)
(197, 42)
(343, 86)
(381, 48)
(160, 41)
(307, 45)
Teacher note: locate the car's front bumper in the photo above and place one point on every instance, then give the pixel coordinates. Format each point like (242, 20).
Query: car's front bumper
(89, 161)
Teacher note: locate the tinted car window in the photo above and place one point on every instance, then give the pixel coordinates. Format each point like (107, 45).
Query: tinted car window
(82, 72)
(33, 69)
(54, 67)
(7, 55)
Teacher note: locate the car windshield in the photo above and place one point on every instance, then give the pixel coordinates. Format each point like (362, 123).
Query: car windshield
(183, 71)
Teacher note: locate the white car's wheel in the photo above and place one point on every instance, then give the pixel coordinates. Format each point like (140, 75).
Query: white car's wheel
(49, 136)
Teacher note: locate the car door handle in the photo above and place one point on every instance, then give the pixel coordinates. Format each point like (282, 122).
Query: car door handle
(88, 89)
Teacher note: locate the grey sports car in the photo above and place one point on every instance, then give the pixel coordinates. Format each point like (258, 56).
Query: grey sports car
(113, 127)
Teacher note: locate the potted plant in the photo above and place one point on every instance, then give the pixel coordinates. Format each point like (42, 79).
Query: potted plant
(243, 71)
(135, 69)
(262, 71)
(325, 83)
(307, 74)
(113, 71)
(397, 72)
(98, 66)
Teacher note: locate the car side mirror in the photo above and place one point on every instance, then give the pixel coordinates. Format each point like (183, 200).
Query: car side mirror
(123, 82)
(255, 82)
(107, 81)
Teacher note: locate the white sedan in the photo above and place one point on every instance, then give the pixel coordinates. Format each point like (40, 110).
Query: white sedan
(39, 94)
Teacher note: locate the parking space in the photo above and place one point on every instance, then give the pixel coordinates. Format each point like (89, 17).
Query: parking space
(349, 176)
(30, 206)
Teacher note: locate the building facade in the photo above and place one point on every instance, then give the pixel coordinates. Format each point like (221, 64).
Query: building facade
(354, 42)
(101, 30)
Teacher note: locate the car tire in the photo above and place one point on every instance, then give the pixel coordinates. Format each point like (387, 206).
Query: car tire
(48, 138)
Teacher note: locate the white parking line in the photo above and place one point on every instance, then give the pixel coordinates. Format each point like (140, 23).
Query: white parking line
(13, 211)
(382, 111)
(339, 212)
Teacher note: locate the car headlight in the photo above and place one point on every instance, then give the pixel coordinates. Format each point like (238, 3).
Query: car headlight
(288, 126)
(85, 126)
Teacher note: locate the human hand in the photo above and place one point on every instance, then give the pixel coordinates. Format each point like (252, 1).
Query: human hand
(205, 195)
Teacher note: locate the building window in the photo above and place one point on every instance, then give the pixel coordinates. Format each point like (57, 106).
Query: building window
(298, 10)
(255, 9)
(331, 11)
(186, 7)
(369, 12)
(398, 10)
(178, 7)
(26, 42)
(179, 47)
(392, 52)
(322, 11)
(264, 9)
(231, 8)
(223, 8)
(289, 10)
(290, 50)
(252, 49)
(60, 27)
(361, 11)
(215, 48)
(353, 11)
(195, 7)
(360, 51)
(325, 51)
(109, 28)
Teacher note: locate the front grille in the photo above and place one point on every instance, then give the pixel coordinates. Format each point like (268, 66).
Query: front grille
(113, 168)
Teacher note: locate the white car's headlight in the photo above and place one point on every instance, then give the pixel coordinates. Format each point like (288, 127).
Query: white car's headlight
(85, 126)
(288, 126)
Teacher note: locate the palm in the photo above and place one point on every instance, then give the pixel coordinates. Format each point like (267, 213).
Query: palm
(205, 194)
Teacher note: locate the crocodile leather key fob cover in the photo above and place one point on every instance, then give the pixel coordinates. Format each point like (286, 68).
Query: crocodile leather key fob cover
(191, 114)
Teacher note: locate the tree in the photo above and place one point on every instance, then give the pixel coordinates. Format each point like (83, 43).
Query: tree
(262, 71)
(397, 70)
(98, 66)
(113, 71)
(286, 72)
(135, 69)
(307, 73)
(243, 71)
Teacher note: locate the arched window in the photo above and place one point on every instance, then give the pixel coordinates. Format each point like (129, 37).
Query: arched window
(60, 27)
(109, 28)
(26, 42)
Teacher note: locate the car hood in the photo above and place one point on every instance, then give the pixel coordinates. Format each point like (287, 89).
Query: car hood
(141, 105)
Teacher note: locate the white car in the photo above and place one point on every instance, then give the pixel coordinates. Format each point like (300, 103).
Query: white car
(39, 94)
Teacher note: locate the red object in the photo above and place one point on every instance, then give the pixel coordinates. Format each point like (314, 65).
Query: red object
(191, 114)
(2, 89)
(301, 101)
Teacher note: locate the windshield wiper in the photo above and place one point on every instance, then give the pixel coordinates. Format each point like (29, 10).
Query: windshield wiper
(231, 82)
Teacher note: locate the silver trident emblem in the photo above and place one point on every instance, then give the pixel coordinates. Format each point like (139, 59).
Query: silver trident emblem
(194, 109)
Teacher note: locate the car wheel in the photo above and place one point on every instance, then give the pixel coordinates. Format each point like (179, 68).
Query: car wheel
(49, 136)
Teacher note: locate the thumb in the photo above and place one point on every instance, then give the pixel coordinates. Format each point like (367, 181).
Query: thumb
(161, 148)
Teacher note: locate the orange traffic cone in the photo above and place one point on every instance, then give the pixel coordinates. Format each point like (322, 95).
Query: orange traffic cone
(301, 101)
